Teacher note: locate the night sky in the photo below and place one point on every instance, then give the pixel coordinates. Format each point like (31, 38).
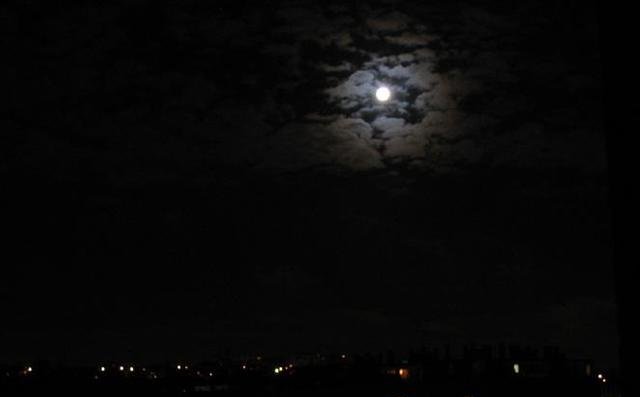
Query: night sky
(195, 178)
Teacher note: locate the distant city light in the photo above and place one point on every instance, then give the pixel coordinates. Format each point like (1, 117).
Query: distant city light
(102, 369)
(383, 94)
(29, 369)
(131, 369)
(277, 370)
(604, 380)
(179, 367)
(210, 373)
(600, 376)
(516, 368)
(121, 368)
(244, 366)
(344, 356)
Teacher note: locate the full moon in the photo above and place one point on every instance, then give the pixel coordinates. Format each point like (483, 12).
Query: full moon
(383, 94)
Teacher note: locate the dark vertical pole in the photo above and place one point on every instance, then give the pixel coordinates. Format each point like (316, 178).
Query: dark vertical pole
(618, 29)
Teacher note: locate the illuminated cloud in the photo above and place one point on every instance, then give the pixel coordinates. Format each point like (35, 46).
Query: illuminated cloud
(424, 120)
(343, 67)
(359, 85)
(409, 39)
(389, 126)
(391, 22)
(409, 146)
(343, 143)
